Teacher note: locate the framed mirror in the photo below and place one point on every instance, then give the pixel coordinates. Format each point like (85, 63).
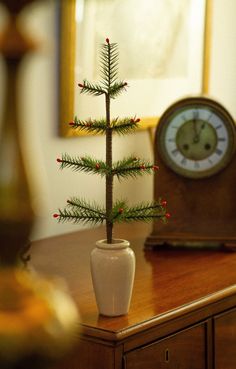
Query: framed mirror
(164, 55)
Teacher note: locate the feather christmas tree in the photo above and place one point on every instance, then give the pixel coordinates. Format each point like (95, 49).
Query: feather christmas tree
(80, 210)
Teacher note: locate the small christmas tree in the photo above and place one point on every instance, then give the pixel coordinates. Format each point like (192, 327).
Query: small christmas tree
(79, 210)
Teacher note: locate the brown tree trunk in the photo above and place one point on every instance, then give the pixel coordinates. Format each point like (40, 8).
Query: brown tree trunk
(109, 177)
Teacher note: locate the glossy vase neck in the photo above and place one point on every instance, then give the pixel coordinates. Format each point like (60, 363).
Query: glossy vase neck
(117, 244)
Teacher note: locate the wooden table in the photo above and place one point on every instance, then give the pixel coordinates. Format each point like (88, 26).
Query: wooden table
(183, 309)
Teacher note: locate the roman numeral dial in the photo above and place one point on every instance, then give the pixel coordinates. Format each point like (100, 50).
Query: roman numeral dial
(196, 137)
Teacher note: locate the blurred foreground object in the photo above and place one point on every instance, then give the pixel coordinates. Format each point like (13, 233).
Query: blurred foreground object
(38, 320)
(16, 213)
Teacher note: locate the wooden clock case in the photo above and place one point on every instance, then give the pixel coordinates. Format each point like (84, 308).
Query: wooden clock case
(203, 211)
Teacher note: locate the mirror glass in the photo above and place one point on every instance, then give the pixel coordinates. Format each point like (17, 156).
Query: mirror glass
(162, 45)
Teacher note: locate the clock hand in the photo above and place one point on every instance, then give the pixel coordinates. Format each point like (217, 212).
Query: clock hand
(196, 137)
(201, 128)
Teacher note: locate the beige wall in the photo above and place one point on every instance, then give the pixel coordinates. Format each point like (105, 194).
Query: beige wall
(223, 54)
(39, 118)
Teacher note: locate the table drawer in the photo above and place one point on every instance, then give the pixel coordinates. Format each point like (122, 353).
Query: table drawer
(183, 350)
(225, 340)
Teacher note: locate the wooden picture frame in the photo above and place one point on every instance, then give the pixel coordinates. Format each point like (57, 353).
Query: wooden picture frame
(68, 82)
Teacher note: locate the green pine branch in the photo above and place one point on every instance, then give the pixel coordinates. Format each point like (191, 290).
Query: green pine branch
(116, 89)
(127, 167)
(89, 208)
(97, 89)
(78, 210)
(119, 126)
(91, 88)
(109, 58)
(93, 126)
(85, 164)
(144, 212)
(79, 216)
(109, 85)
(132, 167)
(125, 125)
(109, 61)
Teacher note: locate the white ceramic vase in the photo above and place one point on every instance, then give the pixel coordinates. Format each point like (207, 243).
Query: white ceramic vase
(112, 270)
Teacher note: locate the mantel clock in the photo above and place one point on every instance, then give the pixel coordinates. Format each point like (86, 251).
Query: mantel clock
(195, 144)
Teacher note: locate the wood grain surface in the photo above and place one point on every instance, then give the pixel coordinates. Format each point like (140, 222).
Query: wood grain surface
(168, 282)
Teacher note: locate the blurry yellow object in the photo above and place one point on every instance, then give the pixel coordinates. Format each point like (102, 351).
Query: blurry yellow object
(37, 316)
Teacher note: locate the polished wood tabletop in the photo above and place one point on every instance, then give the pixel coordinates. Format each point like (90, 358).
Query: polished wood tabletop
(167, 282)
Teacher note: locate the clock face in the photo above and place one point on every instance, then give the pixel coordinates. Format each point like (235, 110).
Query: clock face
(196, 137)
